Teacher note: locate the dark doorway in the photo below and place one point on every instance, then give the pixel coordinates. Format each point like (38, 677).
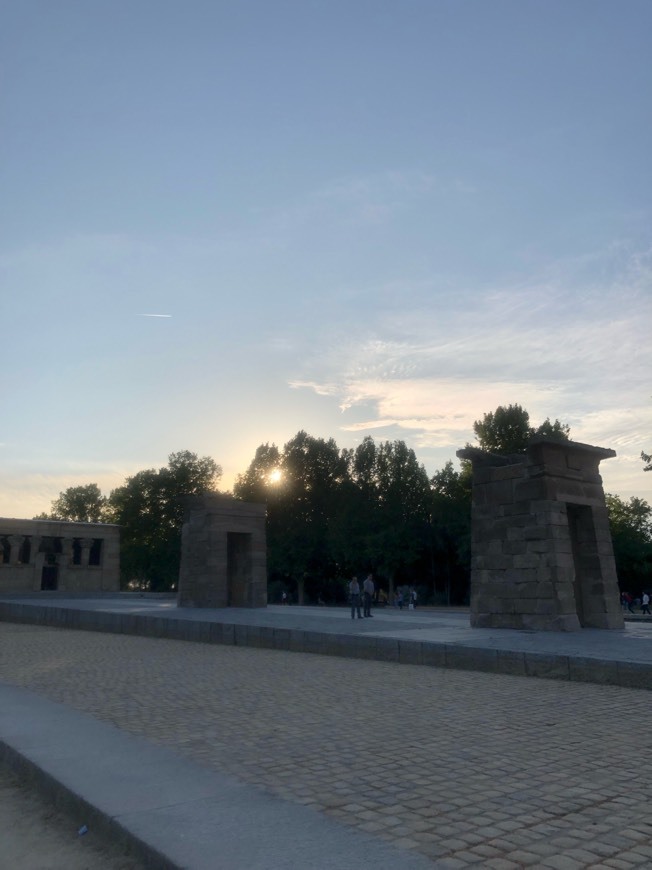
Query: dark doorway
(585, 558)
(238, 549)
(49, 578)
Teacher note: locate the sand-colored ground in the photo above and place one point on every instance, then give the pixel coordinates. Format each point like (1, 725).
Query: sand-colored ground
(34, 835)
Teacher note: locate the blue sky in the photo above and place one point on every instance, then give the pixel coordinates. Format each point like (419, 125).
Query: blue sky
(360, 217)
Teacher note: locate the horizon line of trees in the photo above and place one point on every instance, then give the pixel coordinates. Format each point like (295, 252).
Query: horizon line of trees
(334, 512)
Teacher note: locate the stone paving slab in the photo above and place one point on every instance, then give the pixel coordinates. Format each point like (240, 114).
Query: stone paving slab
(460, 768)
(437, 638)
(170, 811)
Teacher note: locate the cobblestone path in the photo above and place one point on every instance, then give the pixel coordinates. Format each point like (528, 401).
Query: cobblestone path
(470, 769)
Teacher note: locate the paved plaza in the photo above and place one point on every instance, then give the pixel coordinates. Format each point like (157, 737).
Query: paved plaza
(460, 768)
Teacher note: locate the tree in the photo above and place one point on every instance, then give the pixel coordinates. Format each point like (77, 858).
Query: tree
(313, 473)
(78, 504)
(507, 430)
(556, 429)
(647, 459)
(631, 533)
(391, 506)
(451, 530)
(150, 508)
(302, 489)
(334, 512)
(263, 477)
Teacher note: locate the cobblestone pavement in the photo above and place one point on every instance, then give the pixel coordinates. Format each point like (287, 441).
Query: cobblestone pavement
(470, 769)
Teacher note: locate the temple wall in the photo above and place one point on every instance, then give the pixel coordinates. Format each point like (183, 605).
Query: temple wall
(38, 555)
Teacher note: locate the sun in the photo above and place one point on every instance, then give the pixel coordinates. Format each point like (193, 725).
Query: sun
(275, 475)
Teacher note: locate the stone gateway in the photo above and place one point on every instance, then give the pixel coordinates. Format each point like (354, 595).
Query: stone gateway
(542, 555)
(223, 553)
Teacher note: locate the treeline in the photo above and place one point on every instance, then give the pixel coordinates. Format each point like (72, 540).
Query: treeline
(333, 512)
(149, 507)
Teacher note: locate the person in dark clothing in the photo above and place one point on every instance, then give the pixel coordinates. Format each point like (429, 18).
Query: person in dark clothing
(354, 594)
(368, 594)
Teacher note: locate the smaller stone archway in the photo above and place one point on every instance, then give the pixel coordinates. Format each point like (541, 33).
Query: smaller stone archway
(223, 553)
(542, 555)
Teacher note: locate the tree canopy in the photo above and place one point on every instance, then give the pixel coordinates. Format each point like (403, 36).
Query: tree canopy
(631, 533)
(508, 430)
(332, 513)
(149, 507)
(78, 504)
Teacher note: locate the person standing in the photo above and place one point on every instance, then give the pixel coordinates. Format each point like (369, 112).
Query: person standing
(645, 604)
(368, 589)
(354, 594)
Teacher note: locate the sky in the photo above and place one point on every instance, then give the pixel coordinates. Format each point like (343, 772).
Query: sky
(226, 221)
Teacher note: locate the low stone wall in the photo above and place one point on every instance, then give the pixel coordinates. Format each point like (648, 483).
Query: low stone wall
(631, 675)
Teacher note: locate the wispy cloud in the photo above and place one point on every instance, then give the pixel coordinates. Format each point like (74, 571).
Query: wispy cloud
(562, 345)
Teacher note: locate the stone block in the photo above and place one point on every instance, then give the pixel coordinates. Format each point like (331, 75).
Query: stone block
(433, 654)
(481, 619)
(551, 667)
(634, 675)
(409, 652)
(536, 533)
(494, 548)
(266, 637)
(547, 607)
(540, 546)
(588, 670)
(526, 560)
(525, 606)
(387, 649)
(297, 641)
(361, 647)
(282, 638)
(530, 489)
(609, 620)
(254, 636)
(471, 658)
(525, 591)
(520, 575)
(215, 633)
(515, 548)
(337, 645)
(314, 642)
(511, 662)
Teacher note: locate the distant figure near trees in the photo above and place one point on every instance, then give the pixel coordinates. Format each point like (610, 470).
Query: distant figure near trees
(627, 601)
(354, 594)
(368, 588)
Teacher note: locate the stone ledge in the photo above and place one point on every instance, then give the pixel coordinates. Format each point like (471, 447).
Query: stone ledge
(363, 646)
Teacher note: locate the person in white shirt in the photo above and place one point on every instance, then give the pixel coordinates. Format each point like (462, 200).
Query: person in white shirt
(645, 604)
